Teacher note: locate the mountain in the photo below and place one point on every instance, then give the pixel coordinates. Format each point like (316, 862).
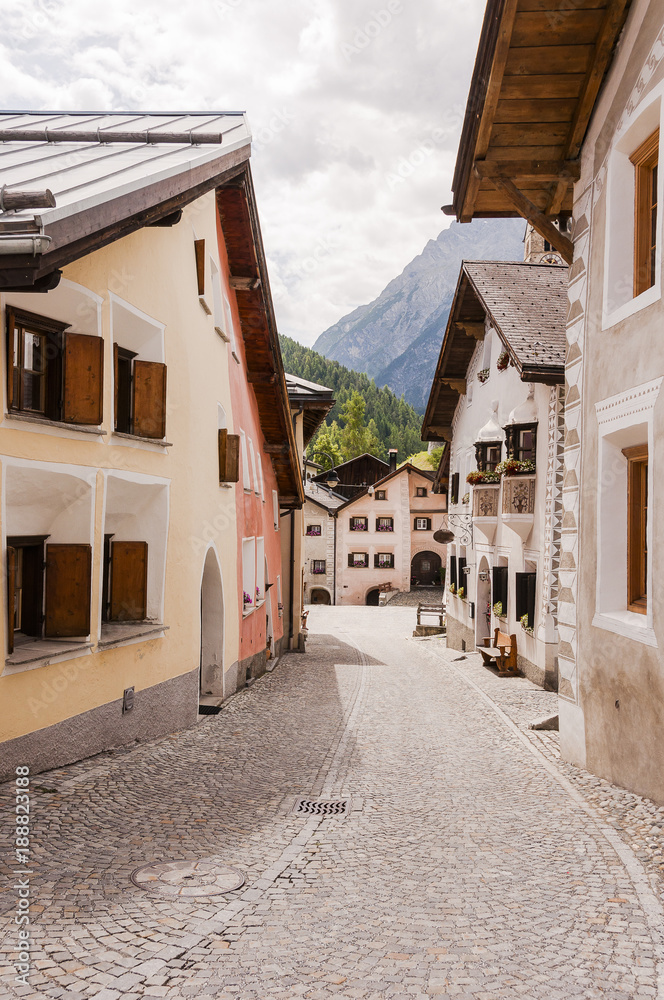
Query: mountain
(396, 338)
(397, 424)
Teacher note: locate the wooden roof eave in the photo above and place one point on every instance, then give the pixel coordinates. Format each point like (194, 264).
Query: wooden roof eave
(496, 174)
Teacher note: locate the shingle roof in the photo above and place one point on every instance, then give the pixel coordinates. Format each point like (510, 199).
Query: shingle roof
(82, 172)
(527, 304)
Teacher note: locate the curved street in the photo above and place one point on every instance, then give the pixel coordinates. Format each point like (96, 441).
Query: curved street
(470, 862)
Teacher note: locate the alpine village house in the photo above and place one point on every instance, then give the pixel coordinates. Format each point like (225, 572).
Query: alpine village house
(564, 128)
(148, 450)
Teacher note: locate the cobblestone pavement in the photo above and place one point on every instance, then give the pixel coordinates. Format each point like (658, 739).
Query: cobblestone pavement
(472, 864)
(411, 598)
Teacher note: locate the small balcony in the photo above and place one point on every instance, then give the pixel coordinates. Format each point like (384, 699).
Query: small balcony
(518, 508)
(485, 509)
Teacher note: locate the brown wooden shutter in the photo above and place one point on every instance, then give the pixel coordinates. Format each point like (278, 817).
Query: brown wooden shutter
(116, 385)
(350, 559)
(83, 379)
(149, 399)
(68, 588)
(375, 560)
(199, 250)
(129, 581)
(229, 457)
(11, 581)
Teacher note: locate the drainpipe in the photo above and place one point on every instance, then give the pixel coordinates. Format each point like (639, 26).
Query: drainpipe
(334, 567)
(291, 589)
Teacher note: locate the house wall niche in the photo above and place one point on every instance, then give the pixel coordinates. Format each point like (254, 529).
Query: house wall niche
(68, 302)
(212, 627)
(136, 331)
(137, 510)
(58, 504)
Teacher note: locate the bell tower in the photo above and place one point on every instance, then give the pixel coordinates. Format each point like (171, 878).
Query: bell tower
(537, 250)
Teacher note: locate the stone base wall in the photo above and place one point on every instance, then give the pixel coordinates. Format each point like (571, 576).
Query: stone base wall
(157, 710)
(545, 678)
(458, 633)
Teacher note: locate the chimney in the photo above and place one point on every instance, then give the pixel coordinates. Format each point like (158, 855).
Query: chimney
(393, 459)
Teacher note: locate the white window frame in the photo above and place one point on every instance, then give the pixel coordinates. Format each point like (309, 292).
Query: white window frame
(249, 574)
(218, 312)
(421, 526)
(230, 326)
(246, 472)
(623, 420)
(260, 571)
(252, 452)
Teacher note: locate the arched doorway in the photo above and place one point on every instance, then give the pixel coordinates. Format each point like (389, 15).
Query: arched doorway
(372, 597)
(483, 607)
(425, 569)
(211, 675)
(320, 596)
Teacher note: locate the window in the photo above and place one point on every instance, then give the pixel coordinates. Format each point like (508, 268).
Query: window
(246, 472)
(260, 476)
(358, 559)
(500, 582)
(275, 509)
(229, 456)
(453, 571)
(521, 441)
(218, 316)
(230, 327)
(420, 491)
(53, 373)
(384, 524)
(488, 455)
(359, 524)
(525, 597)
(637, 527)
(250, 446)
(645, 212)
(260, 569)
(314, 529)
(318, 566)
(422, 524)
(381, 495)
(454, 489)
(248, 574)
(384, 560)
(139, 374)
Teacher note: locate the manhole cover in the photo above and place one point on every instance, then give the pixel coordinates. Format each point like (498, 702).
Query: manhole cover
(188, 878)
(317, 807)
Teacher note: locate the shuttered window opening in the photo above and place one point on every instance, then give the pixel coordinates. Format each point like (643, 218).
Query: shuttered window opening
(461, 565)
(139, 395)
(384, 560)
(229, 456)
(500, 576)
(453, 571)
(128, 581)
(358, 559)
(454, 488)
(68, 582)
(318, 566)
(422, 524)
(52, 372)
(25, 586)
(525, 596)
(199, 255)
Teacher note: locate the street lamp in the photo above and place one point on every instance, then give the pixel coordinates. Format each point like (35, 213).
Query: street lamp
(331, 479)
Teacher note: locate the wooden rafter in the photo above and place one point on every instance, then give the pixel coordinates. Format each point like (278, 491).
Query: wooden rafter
(537, 219)
(543, 170)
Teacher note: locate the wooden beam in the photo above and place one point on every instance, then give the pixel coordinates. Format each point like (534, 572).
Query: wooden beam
(613, 20)
(276, 449)
(543, 170)
(457, 384)
(25, 199)
(108, 135)
(441, 433)
(476, 330)
(261, 378)
(537, 219)
(241, 284)
(557, 197)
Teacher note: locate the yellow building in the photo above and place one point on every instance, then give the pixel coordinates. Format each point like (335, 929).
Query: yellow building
(125, 299)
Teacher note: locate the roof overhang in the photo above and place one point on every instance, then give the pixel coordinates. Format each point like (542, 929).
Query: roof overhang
(538, 71)
(238, 216)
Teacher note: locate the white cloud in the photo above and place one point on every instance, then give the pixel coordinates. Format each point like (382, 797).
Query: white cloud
(356, 107)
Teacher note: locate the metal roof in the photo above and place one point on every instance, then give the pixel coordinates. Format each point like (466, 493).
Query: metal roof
(301, 388)
(82, 173)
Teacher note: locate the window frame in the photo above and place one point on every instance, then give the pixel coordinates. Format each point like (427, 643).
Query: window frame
(388, 565)
(425, 527)
(356, 527)
(322, 567)
(381, 495)
(420, 491)
(351, 560)
(385, 527)
(52, 333)
(513, 445)
(314, 534)
(645, 160)
(482, 449)
(637, 528)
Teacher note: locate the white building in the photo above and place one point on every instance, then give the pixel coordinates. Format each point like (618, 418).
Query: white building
(320, 532)
(497, 395)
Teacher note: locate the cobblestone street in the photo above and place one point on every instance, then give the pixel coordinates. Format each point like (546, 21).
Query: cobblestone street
(471, 864)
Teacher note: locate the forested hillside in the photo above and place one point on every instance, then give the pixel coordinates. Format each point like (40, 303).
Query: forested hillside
(390, 421)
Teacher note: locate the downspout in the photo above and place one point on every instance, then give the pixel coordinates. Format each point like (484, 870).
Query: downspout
(291, 588)
(334, 570)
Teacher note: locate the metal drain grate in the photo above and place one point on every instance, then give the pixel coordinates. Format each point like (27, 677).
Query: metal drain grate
(317, 807)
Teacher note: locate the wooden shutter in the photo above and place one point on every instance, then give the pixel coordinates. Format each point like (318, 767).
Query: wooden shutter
(229, 457)
(83, 379)
(129, 581)
(350, 559)
(11, 581)
(375, 561)
(428, 520)
(530, 598)
(199, 250)
(149, 399)
(68, 586)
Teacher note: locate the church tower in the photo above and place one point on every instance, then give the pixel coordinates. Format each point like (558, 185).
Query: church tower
(537, 250)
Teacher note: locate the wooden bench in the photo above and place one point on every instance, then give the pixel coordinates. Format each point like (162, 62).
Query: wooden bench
(502, 652)
(431, 609)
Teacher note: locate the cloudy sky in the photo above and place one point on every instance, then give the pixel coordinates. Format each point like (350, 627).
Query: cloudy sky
(355, 106)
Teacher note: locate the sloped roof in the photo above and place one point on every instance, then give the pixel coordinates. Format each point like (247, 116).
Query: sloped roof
(110, 173)
(316, 401)
(322, 496)
(527, 304)
(406, 467)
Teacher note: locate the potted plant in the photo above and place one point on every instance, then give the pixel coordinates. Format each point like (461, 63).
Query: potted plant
(498, 609)
(452, 588)
(246, 599)
(477, 478)
(525, 624)
(465, 498)
(483, 376)
(503, 362)
(461, 592)
(515, 467)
